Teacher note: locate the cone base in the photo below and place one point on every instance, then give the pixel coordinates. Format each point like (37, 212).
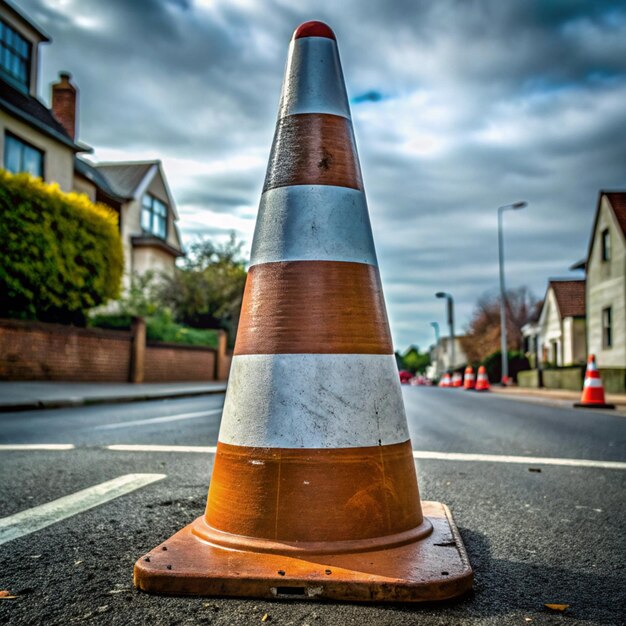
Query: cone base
(433, 568)
(593, 405)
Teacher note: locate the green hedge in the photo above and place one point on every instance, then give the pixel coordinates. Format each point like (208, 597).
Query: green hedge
(61, 254)
(493, 364)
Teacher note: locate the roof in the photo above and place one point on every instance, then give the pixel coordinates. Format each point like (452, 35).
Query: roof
(617, 199)
(23, 18)
(31, 111)
(570, 296)
(125, 177)
(86, 169)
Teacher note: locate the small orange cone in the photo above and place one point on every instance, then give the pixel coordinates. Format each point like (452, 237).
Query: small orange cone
(457, 379)
(314, 492)
(482, 381)
(593, 389)
(469, 381)
(445, 381)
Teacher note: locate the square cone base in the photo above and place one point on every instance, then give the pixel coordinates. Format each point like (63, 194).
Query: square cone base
(433, 568)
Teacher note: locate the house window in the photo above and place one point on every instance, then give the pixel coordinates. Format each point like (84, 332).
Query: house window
(20, 156)
(606, 245)
(607, 328)
(154, 216)
(15, 54)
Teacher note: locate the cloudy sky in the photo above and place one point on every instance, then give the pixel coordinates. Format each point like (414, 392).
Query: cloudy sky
(459, 106)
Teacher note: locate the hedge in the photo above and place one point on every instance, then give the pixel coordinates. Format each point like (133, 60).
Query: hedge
(61, 254)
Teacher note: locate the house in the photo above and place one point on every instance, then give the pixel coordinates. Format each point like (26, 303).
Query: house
(441, 357)
(561, 324)
(606, 282)
(42, 141)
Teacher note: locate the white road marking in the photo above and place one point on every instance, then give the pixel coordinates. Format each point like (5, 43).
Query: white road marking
(39, 517)
(418, 454)
(527, 460)
(158, 420)
(158, 448)
(36, 446)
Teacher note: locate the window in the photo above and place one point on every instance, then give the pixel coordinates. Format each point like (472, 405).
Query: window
(154, 216)
(15, 54)
(607, 328)
(20, 156)
(606, 245)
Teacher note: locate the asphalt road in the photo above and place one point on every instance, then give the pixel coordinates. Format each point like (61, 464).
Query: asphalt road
(536, 532)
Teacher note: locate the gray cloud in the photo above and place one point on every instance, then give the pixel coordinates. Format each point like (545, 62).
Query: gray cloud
(458, 107)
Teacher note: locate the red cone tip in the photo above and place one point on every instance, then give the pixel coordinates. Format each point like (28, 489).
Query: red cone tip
(314, 29)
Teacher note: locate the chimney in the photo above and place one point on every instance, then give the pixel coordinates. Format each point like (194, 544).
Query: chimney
(64, 96)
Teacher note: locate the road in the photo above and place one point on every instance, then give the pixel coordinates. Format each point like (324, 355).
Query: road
(538, 530)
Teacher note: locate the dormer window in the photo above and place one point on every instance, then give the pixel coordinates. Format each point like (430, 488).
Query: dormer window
(15, 55)
(154, 216)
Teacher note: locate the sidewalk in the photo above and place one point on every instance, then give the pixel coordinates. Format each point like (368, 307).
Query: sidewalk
(562, 397)
(26, 396)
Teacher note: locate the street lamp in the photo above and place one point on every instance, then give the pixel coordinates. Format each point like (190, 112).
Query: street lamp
(435, 326)
(503, 349)
(443, 294)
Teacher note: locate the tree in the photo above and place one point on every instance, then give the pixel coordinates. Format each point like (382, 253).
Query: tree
(413, 360)
(483, 332)
(206, 292)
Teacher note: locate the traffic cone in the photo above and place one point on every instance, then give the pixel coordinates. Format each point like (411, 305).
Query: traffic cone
(457, 379)
(593, 389)
(445, 381)
(482, 381)
(313, 492)
(469, 381)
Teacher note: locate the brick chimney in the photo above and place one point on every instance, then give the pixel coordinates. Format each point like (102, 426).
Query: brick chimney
(64, 96)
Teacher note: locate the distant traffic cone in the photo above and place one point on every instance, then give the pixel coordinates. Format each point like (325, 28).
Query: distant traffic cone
(313, 492)
(445, 381)
(469, 380)
(593, 389)
(457, 379)
(482, 381)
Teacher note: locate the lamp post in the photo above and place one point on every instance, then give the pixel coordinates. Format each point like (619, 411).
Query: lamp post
(435, 326)
(503, 349)
(450, 299)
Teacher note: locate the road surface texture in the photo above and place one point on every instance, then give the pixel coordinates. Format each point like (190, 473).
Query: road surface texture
(538, 529)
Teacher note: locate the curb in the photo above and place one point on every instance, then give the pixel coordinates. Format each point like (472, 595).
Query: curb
(76, 402)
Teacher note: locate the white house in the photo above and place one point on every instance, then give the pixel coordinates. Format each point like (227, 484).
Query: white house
(561, 323)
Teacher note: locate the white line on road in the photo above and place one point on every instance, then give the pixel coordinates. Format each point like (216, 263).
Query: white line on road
(39, 517)
(157, 448)
(37, 446)
(158, 420)
(418, 454)
(527, 460)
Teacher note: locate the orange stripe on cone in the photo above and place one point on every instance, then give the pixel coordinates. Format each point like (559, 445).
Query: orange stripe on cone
(593, 389)
(482, 380)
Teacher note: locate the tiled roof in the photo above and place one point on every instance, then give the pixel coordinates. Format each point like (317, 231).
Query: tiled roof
(125, 177)
(570, 297)
(618, 202)
(34, 113)
(92, 173)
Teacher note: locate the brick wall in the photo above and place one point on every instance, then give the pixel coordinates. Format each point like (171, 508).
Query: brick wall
(166, 362)
(35, 351)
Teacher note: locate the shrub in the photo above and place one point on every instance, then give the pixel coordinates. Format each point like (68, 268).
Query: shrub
(493, 364)
(61, 254)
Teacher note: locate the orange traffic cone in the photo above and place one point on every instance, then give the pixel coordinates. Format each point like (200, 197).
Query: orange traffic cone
(469, 381)
(313, 492)
(482, 381)
(593, 389)
(457, 379)
(445, 381)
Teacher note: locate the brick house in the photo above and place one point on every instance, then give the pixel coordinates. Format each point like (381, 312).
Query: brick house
(43, 141)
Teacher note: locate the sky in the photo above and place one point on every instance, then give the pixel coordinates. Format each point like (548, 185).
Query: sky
(458, 106)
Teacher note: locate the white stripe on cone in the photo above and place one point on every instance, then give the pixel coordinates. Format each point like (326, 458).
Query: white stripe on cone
(593, 382)
(313, 401)
(313, 222)
(313, 79)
